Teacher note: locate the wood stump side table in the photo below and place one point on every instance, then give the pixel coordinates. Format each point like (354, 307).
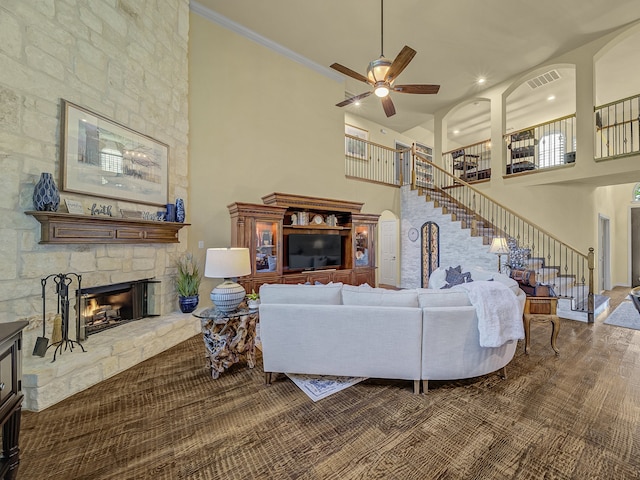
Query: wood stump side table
(541, 309)
(229, 337)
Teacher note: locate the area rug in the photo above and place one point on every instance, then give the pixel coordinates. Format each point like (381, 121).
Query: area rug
(317, 387)
(625, 315)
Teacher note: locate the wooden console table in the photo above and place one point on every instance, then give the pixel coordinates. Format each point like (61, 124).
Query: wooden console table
(229, 337)
(10, 395)
(541, 309)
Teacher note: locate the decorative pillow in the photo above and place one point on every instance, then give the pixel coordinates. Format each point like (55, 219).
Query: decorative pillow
(455, 276)
(438, 278)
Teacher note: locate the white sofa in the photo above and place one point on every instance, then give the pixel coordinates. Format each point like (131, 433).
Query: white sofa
(416, 334)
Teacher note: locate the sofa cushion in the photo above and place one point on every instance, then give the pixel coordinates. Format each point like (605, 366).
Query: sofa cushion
(382, 297)
(428, 297)
(302, 294)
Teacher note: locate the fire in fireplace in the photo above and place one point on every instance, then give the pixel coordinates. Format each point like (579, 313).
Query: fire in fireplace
(109, 306)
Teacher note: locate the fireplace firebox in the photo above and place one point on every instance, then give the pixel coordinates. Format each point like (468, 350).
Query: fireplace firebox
(109, 306)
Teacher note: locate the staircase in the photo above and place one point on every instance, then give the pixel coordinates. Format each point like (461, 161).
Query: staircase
(568, 271)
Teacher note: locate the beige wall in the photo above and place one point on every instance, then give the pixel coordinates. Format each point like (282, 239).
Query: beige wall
(126, 60)
(614, 203)
(261, 123)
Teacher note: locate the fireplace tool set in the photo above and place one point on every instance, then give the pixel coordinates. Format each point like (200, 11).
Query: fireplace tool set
(60, 336)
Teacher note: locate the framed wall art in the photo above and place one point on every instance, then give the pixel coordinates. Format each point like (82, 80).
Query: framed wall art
(355, 147)
(102, 158)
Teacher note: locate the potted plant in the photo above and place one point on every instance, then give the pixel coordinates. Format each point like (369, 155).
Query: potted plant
(253, 300)
(188, 283)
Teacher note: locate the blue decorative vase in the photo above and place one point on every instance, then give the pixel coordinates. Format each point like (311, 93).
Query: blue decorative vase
(46, 197)
(171, 212)
(188, 304)
(180, 213)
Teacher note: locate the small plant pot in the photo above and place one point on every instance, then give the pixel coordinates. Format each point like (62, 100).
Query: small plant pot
(253, 304)
(188, 304)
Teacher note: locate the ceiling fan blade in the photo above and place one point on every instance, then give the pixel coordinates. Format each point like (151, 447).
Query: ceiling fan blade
(400, 63)
(351, 100)
(349, 73)
(387, 104)
(416, 88)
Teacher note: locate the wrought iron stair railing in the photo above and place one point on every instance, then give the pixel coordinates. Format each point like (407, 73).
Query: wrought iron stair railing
(568, 270)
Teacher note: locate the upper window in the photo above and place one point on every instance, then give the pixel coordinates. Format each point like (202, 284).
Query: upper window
(551, 149)
(636, 193)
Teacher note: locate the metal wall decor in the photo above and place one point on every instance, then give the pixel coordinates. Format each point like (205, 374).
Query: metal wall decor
(430, 249)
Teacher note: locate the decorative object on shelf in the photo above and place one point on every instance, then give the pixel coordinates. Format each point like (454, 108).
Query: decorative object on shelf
(188, 282)
(227, 263)
(104, 210)
(171, 212)
(318, 220)
(499, 247)
(152, 216)
(253, 300)
(74, 206)
(103, 158)
(303, 218)
(413, 234)
(180, 212)
(332, 220)
(294, 219)
(46, 197)
(130, 214)
(161, 216)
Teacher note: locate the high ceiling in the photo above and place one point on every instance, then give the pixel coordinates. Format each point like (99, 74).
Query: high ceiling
(457, 40)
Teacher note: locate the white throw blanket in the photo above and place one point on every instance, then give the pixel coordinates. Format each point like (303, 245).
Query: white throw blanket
(499, 312)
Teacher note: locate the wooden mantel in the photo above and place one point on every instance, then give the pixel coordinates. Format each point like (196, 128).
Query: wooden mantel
(64, 228)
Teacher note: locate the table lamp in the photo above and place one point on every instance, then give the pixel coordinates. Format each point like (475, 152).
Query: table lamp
(227, 263)
(499, 247)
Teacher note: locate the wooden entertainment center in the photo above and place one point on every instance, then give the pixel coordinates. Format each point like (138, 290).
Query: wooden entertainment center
(265, 228)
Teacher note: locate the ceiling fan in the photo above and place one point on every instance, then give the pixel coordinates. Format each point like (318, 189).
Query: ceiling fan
(382, 73)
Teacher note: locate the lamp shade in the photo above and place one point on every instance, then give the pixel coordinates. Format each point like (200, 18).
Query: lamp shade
(499, 245)
(227, 262)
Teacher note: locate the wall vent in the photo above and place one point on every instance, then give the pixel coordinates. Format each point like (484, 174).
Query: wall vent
(545, 78)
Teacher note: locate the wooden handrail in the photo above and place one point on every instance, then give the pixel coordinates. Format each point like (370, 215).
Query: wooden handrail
(466, 146)
(531, 127)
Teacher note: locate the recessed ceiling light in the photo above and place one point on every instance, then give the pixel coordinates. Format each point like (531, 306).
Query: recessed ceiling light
(455, 132)
(551, 97)
(356, 103)
(481, 80)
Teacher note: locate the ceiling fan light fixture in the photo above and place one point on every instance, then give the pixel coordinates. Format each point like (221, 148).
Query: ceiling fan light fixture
(381, 90)
(377, 70)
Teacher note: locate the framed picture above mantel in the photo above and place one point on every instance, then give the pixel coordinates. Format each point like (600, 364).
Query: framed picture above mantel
(100, 157)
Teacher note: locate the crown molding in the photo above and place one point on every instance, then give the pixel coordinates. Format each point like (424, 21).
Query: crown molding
(223, 21)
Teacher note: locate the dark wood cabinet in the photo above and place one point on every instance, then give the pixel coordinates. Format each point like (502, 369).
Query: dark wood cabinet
(10, 395)
(264, 229)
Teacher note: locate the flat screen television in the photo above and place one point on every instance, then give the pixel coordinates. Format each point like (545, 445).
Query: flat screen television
(312, 251)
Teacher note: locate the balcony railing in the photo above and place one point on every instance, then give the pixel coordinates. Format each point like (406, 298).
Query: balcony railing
(469, 163)
(546, 145)
(567, 270)
(369, 161)
(617, 127)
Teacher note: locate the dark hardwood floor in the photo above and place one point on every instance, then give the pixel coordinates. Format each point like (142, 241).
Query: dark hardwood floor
(573, 416)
